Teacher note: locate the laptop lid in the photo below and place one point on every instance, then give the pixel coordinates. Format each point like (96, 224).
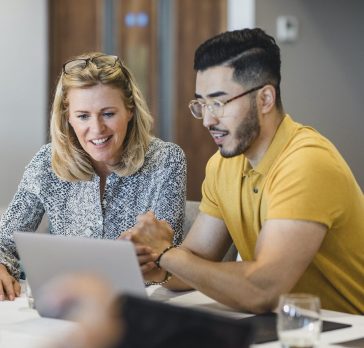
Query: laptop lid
(45, 256)
(163, 325)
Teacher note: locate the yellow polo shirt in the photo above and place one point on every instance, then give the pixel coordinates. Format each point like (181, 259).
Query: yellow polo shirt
(302, 176)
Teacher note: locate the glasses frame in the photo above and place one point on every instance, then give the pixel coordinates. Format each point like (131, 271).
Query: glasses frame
(221, 104)
(90, 59)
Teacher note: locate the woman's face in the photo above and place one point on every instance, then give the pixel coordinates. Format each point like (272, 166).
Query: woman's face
(100, 119)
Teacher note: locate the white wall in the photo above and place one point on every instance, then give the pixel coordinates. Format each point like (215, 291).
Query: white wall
(241, 14)
(23, 88)
(322, 72)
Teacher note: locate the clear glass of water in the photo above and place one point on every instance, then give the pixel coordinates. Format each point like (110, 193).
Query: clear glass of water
(299, 321)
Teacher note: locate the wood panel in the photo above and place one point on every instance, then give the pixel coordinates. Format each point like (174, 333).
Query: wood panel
(196, 21)
(137, 46)
(75, 27)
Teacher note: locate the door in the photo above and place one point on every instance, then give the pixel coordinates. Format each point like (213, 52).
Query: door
(140, 32)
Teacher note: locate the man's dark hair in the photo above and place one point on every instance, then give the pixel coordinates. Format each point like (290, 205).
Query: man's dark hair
(254, 56)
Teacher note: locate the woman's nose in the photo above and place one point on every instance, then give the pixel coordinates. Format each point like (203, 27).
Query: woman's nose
(98, 125)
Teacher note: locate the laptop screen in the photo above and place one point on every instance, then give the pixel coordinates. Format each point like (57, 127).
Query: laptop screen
(46, 256)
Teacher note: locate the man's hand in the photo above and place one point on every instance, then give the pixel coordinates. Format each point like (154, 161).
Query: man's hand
(151, 232)
(150, 237)
(146, 258)
(9, 286)
(145, 255)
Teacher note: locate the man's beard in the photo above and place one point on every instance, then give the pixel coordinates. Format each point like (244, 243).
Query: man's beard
(247, 131)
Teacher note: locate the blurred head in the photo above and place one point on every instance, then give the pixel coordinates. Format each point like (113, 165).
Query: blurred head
(97, 77)
(252, 54)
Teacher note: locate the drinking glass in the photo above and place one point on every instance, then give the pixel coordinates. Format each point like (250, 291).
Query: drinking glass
(298, 321)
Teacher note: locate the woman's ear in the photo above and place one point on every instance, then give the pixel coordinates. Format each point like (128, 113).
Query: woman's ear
(130, 114)
(267, 98)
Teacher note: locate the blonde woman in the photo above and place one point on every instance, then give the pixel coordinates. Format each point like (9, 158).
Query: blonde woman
(102, 168)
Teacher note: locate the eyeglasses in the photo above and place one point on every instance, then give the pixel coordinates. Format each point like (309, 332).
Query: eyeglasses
(101, 61)
(215, 107)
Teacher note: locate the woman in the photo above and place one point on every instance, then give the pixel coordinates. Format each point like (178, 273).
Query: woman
(102, 168)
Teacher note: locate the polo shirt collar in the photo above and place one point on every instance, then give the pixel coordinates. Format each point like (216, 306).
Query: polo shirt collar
(283, 135)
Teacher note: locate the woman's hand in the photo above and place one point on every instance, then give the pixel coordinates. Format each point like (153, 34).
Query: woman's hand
(9, 286)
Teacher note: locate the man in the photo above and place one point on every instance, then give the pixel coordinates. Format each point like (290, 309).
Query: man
(280, 191)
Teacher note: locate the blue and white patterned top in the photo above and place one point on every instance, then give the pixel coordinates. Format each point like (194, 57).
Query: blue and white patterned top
(74, 208)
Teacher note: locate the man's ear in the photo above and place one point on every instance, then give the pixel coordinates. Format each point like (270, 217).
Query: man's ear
(267, 98)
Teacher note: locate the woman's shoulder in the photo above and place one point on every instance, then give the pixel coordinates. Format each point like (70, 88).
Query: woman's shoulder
(41, 161)
(42, 157)
(163, 150)
(38, 173)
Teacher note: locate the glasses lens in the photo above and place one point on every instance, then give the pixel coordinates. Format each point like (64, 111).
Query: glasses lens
(75, 66)
(103, 61)
(216, 108)
(196, 109)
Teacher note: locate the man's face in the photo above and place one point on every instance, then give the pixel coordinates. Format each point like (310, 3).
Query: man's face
(239, 127)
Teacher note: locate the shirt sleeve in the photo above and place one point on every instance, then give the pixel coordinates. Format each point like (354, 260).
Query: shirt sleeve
(209, 203)
(170, 204)
(24, 213)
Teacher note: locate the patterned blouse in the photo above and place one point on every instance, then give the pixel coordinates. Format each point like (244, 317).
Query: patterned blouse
(75, 209)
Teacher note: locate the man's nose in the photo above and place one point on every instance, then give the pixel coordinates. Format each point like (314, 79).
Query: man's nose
(208, 118)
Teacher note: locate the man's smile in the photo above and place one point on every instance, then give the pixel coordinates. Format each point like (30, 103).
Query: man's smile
(218, 135)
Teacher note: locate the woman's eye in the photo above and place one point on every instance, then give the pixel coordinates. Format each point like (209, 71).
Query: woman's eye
(108, 114)
(82, 116)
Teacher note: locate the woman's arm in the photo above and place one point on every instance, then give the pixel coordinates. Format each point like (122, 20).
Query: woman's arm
(24, 213)
(171, 195)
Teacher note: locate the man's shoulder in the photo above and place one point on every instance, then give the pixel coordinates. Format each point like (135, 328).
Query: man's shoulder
(310, 157)
(311, 148)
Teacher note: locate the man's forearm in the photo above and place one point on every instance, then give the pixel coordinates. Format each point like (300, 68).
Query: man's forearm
(218, 280)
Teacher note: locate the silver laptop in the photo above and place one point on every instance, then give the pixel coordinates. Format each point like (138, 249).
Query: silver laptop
(45, 256)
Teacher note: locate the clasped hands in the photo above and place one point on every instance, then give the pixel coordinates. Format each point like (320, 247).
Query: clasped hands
(150, 237)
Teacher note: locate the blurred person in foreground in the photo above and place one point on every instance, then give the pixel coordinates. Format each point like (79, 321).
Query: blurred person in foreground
(102, 168)
(126, 321)
(280, 191)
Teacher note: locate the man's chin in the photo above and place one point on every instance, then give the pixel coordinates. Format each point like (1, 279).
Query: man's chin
(228, 154)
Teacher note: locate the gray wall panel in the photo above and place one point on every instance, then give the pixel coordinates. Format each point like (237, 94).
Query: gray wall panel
(323, 71)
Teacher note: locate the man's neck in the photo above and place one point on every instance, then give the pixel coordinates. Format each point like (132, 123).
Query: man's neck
(269, 126)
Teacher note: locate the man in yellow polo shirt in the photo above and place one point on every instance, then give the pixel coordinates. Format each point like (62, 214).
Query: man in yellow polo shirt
(280, 191)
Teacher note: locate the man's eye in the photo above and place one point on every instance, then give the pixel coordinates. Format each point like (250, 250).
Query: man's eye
(216, 104)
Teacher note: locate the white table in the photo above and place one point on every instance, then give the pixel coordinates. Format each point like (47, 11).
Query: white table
(21, 327)
(198, 300)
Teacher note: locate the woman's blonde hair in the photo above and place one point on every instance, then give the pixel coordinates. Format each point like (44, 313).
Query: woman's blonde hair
(69, 161)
